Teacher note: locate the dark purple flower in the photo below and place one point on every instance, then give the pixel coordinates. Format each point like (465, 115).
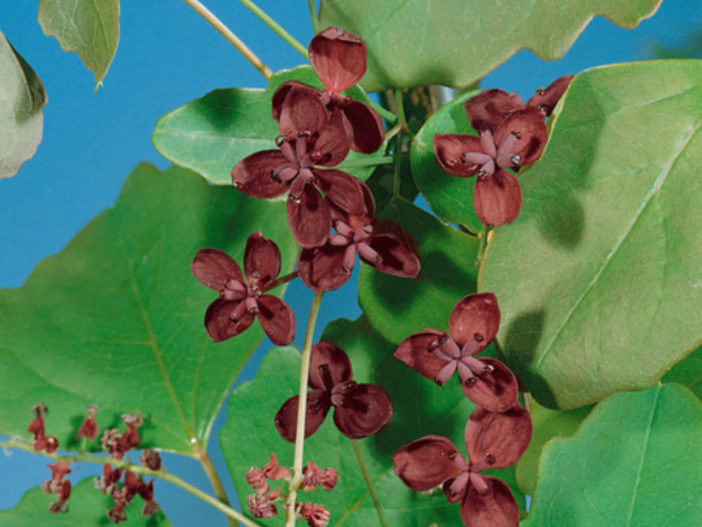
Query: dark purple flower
(385, 246)
(493, 440)
(360, 409)
(89, 428)
(339, 59)
(257, 478)
(309, 139)
(315, 476)
(151, 459)
(473, 325)
(242, 299)
(316, 515)
(261, 505)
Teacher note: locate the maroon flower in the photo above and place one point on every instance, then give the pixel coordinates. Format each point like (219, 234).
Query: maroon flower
(309, 139)
(473, 326)
(238, 303)
(110, 476)
(315, 476)
(38, 428)
(339, 59)
(151, 459)
(382, 245)
(493, 440)
(59, 485)
(316, 515)
(256, 477)
(261, 505)
(360, 409)
(89, 428)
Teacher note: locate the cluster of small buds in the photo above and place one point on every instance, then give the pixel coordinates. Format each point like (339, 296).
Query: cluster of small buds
(261, 504)
(116, 443)
(314, 476)
(38, 428)
(316, 515)
(59, 485)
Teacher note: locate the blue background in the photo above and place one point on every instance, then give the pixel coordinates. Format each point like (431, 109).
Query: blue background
(168, 56)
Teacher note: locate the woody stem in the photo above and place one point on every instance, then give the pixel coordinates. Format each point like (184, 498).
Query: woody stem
(138, 469)
(231, 37)
(302, 409)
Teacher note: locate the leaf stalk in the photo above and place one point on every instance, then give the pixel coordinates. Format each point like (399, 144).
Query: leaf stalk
(287, 37)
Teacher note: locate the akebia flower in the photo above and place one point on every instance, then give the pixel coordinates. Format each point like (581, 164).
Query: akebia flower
(339, 59)
(493, 440)
(89, 428)
(359, 409)
(243, 299)
(382, 245)
(473, 325)
(309, 139)
(38, 428)
(257, 478)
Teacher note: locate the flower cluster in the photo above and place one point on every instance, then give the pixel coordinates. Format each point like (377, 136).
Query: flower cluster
(512, 135)
(59, 485)
(359, 409)
(38, 428)
(117, 444)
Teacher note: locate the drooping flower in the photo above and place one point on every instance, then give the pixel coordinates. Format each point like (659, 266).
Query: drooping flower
(359, 409)
(262, 505)
(383, 245)
(89, 427)
(38, 428)
(313, 476)
(339, 59)
(473, 325)
(59, 485)
(493, 440)
(316, 515)
(257, 478)
(151, 459)
(309, 139)
(243, 299)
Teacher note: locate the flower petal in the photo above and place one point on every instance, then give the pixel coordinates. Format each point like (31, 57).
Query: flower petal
(448, 149)
(395, 256)
(489, 108)
(277, 319)
(318, 405)
(309, 217)
(531, 130)
(214, 268)
(497, 508)
(339, 58)
(503, 436)
(301, 112)
(261, 256)
(342, 190)
(416, 352)
(322, 268)
(253, 175)
(495, 390)
(546, 99)
(337, 362)
(282, 92)
(333, 142)
(426, 463)
(366, 410)
(497, 199)
(475, 318)
(367, 126)
(218, 324)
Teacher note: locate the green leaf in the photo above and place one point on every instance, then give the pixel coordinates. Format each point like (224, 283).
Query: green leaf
(116, 318)
(421, 408)
(22, 98)
(212, 134)
(547, 425)
(86, 506)
(398, 307)
(456, 43)
(88, 27)
(688, 372)
(450, 197)
(597, 279)
(636, 460)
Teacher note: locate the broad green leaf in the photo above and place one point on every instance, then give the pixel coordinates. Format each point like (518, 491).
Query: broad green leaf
(397, 307)
(420, 408)
(22, 98)
(116, 319)
(597, 279)
(86, 507)
(88, 27)
(636, 460)
(547, 425)
(456, 42)
(212, 134)
(450, 197)
(688, 372)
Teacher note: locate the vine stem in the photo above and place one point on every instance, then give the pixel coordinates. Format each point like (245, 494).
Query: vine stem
(281, 280)
(231, 37)
(369, 483)
(287, 37)
(313, 16)
(400, 108)
(216, 483)
(138, 469)
(301, 409)
(483, 245)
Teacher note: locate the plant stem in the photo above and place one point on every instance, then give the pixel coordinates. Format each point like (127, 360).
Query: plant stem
(287, 37)
(366, 162)
(313, 16)
(399, 106)
(231, 37)
(138, 469)
(281, 280)
(216, 483)
(386, 114)
(483, 245)
(369, 483)
(302, 409)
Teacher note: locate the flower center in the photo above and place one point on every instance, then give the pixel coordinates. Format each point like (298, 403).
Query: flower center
(461, 359)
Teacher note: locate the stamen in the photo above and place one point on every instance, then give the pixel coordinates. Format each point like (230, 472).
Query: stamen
(349, 258)
(368, 253)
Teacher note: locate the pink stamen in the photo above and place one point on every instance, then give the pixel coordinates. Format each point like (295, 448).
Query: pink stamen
(238, 312)
(451, 349)
(339, 240)
(368, 253)
(349, 258)
(251, 304)
(288, 151)
(446, 372)
(344, 229)
(479, 483)
(487, 141)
